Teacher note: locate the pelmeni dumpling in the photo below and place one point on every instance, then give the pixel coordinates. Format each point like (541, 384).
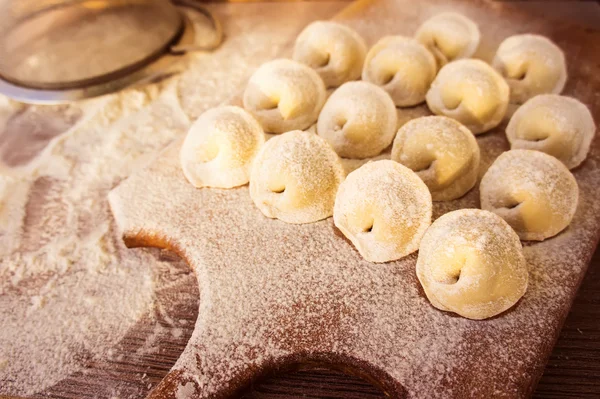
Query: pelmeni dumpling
(358, 120)
(534, 192)
(449, 36)
(295, 178)
(334, 50)
(284, 95)
(471, 263)
(442, 152)
(219, 148)
(403, 67)
(383, 208)
(557, 125)
(532, 65)
(471, 92)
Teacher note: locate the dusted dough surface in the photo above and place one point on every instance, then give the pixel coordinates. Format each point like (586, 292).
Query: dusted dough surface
(284, 95)
(295, 177)
(471, 92)
(219, 148)
(449, 36)
(383, 208)
(532, 65)
(471, 263)
(534, 192)
(334, 50)
(358, 120)
(557, 125)
(442, 152)
(403, 67)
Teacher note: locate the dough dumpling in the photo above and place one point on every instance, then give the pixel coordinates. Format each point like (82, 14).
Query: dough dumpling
(449, 36)
(532, 65)
(383, 208)
(557, 125)
(295, 177)
(534, 192)
(403, 67)
(284, 95)
(219, 148)
(334, 50)
(471, 92)
(358, 120)
(442, 152)
(471, 263)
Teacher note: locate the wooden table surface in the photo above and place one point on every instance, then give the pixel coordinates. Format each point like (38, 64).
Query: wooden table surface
(573, 370)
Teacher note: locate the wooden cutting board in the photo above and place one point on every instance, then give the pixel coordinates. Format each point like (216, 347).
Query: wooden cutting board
(280, 296)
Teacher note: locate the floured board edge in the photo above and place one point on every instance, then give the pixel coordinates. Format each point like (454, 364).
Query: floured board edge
(277, 295)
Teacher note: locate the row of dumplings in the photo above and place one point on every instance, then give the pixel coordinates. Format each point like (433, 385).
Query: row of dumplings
(434, 67)
(358, 120)
(413, 70)
(470, 261)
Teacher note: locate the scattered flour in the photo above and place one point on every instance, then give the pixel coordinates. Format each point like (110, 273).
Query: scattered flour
(271, 290)
(69, 289)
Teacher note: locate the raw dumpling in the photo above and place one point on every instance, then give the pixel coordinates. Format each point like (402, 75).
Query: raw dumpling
(534, 192)
(219, 148)
(358, 120)
(403, 67)
(471, 92)
(383, 208)
(284, 95)
(295, 177)
(449, 36)
(557, 125)
(532, 65)
(334, 50)
(471, 263)
(442, 152)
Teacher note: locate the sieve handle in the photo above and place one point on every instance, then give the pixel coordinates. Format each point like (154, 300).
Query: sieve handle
(218, 28)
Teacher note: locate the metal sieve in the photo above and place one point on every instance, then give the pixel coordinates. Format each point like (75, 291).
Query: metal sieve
(63, 50)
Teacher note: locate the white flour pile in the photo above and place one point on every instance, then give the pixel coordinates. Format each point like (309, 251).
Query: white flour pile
(69, 289)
